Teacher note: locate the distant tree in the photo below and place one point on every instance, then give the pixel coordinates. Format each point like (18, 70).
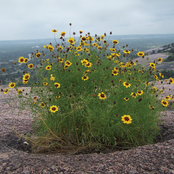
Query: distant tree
(169, 59)
(171, 50)
(165, 46)
(153, 51)
(159, 51)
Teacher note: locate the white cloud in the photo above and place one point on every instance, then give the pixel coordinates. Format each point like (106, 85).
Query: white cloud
(34, 19)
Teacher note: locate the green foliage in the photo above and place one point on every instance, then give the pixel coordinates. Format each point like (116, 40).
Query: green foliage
(169, 59)
(81, 99)
(171, 50)
(168, 74)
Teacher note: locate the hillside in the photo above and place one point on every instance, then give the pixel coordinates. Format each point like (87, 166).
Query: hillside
(163, 53)
(166, 53)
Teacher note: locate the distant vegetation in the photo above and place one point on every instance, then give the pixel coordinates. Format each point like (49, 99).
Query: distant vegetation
(170, 58)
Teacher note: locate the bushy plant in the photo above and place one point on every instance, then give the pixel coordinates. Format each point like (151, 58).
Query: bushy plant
(86, 98)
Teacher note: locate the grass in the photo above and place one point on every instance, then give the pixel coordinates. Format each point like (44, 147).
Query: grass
(87, 102)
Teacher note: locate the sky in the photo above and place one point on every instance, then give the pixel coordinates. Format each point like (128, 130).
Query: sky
(34, 19)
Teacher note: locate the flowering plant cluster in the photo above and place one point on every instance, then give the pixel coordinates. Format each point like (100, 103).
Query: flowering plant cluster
(86, 97)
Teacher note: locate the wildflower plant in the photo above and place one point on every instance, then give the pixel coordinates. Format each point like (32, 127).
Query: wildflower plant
(86, 98)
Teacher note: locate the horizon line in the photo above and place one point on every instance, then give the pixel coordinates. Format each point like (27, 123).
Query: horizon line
(91, 36)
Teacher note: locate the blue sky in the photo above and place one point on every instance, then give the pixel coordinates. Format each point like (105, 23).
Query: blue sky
(34, 19)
